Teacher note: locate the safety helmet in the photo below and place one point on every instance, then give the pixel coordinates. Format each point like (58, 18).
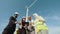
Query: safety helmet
(16, 13)
(35, 14)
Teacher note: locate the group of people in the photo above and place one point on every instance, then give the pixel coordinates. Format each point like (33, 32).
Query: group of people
(37, 26)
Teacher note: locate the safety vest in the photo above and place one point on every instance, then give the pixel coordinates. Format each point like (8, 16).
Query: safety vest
(39, 26)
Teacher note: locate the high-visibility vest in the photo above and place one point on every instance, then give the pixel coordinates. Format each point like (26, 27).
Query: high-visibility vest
(39, 26)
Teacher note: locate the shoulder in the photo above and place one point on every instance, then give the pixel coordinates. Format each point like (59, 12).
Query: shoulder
(41, 18)
(11, 17)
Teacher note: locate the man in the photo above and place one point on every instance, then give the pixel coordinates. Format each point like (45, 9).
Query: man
(40, 25)
(10, 28)
(31, 26)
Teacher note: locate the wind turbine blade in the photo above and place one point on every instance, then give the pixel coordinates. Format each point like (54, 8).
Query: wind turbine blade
(32, 3)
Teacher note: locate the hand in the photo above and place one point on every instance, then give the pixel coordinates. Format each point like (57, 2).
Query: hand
(26, 26)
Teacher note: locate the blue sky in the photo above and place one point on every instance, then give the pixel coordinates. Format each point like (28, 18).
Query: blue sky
(49, 9)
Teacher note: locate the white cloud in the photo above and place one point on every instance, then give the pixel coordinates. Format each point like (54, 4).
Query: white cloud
(53, 17)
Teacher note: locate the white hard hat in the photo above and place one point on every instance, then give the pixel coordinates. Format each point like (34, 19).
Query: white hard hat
(35, 14)
(16, 13)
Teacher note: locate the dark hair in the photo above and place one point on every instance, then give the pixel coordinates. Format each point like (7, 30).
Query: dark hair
(23, 18)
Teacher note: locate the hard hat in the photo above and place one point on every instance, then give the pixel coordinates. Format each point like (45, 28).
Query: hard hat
(35, 14)
(16, 13)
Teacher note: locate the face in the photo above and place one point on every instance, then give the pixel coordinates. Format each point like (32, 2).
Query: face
(23, 19)
(29, 18)
(16, 15)
(34, 16)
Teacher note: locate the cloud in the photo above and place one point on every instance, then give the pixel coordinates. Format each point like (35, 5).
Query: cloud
(53, 17)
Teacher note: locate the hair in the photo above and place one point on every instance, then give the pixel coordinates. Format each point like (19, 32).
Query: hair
(23, 18)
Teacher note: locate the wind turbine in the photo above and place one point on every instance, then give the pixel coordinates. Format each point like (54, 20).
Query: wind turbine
(27, 13)
(27, 9)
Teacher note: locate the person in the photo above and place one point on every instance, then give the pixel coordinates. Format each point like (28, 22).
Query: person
(10, 28)
(31, 27)
(40, 25)
(23, 29)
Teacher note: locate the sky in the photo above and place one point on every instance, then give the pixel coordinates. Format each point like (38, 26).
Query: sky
(48, 9)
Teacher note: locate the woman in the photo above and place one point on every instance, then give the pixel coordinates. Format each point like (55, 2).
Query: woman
(40, 26)
(23, 27)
